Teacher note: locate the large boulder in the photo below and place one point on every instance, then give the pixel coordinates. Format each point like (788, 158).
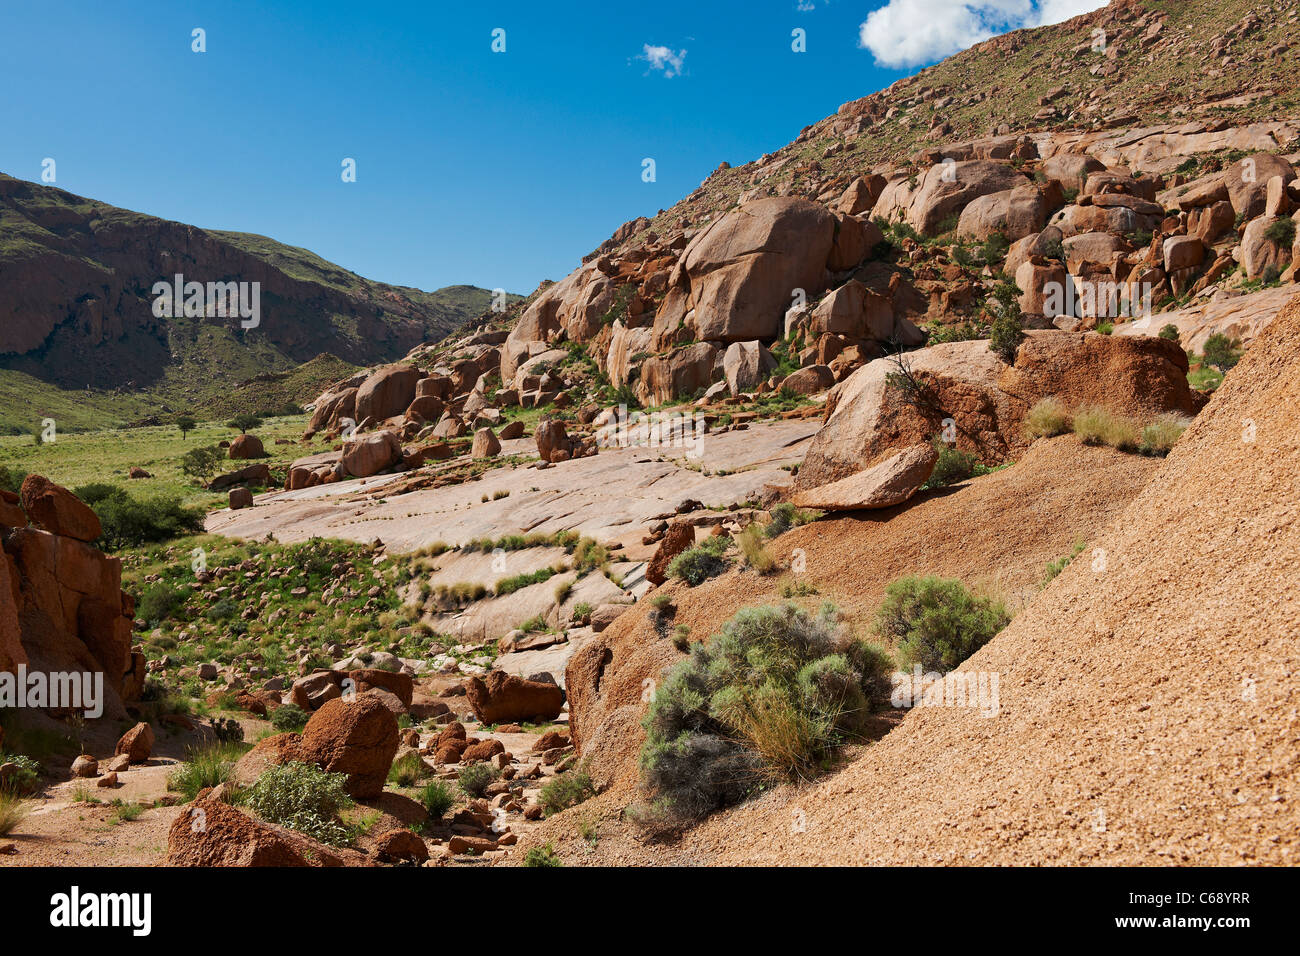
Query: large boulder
(387, 393)
(944, 191)
(858, 312)
(136, 743)
(681, 372)
(209, 832)
(745, 365)
(11, 648)
(503, 698)
(331, 408)
(679, 536)
(885, 485)
(58, 510)
(1015, 213)
(485, 444)
(869, 420)
(246, 446)
(1258, 252)
(1247, 182)
(1071, 170)
(553, 444)
(367, 455)
(809, 380)
(744, 269)
(357, 736)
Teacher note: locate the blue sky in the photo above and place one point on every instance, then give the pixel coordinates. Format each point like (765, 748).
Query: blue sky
(496, 169)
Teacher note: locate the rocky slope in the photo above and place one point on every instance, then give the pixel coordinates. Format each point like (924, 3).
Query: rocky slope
(76, 280)
(1143, 178)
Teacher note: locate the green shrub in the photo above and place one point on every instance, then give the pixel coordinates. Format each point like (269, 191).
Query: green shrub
(130, 523)
(437, 798)
(542, 856)
(952, 466)
(1282, 232)
(786, 516)
(1169, 331)
(936, 622)
(1222, 352)
(1006, 331)
(1158, 437)
(475, 778)
(566, 790)
(1048, 417)
(302, 797)
(11, 479)
(768, 697)
(289, 718)
(24, 775)
(202, 463)
(582, 611)
(159, 602)
(696, 565)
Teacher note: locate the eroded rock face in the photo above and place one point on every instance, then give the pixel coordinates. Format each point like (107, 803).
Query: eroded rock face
(63, 601)
(743, 270)
(944, 191)
(1247, 182)
(868, 420)
(504, 698)
(58, 510)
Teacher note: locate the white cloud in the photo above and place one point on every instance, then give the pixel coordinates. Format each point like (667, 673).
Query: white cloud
(915, 32)
(664, 59)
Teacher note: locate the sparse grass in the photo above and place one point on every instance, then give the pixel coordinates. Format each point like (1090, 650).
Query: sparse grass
(475, 778)
(406, 771)
(1100, 426)
(437, 798)
(1159, 436)
(125, 812)
(1048, 417)
(1060, 564)
(566, 790)
(204, 767)
(12, 812)
(751, 546)
(786, 516)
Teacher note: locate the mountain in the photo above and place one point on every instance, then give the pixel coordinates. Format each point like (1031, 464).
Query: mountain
(77, 308)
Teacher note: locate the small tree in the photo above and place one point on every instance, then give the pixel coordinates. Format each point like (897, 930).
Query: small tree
(186, 424)
(1007, 331)
(202, 463)
(1222, 352)
(244, 422)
